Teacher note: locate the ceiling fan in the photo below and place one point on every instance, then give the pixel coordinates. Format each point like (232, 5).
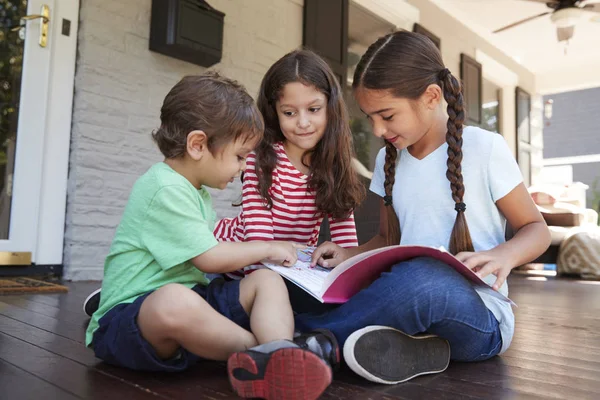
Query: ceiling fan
(564, 14)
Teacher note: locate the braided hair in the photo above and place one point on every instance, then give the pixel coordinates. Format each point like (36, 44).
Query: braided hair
(406, 63)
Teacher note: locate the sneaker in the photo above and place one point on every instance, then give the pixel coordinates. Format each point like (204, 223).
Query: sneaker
(386, 355)
(91, 304)
(323, 343)
(278, 370)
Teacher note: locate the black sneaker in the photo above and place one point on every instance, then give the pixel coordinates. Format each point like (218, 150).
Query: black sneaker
(91, 304)
(278, 371)
(323, 343)
(385, 355)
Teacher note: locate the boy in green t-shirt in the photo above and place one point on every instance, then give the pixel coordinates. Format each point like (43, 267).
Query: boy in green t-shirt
(158, 311)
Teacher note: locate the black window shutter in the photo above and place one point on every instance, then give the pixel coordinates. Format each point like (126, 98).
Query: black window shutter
(471, 75)
(326, 33)
(523, 122)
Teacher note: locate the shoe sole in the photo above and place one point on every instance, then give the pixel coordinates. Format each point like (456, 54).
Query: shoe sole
(290, 374)
(87, 301)
(386, 355)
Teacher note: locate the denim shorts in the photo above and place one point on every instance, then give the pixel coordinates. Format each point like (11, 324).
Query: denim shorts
(118, 339)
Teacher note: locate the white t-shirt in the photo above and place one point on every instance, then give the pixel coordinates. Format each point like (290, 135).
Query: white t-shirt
(422, 199)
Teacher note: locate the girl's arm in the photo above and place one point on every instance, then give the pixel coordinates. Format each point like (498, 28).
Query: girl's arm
(257, 218)
(531, 239)
(343, 231)
(329, 254)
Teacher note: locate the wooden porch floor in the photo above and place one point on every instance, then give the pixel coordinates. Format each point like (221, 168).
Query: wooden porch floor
(555, 354)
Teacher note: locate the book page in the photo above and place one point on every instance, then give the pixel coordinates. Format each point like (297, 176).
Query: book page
(302, 274)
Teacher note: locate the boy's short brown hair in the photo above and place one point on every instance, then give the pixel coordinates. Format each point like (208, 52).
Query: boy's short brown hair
(218, 106)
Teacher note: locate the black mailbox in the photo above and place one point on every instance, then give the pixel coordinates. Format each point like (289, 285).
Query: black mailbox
(190, 30)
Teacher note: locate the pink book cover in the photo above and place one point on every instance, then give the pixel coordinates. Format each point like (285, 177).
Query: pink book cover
(360, 271)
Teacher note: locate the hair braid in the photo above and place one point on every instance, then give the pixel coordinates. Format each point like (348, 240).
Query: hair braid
(460, 239)
(393, 224)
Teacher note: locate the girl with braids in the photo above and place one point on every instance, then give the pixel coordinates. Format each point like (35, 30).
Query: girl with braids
(301, 171)
(442, 184)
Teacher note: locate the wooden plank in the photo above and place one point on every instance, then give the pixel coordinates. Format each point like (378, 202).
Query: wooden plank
(555, 370)
(555, 354)
(16, 383)
(66, 374)
(58, 345)
(62, 328)
(558, 351)
(207, 376)
(512, 385)
(538, 375)
(65, 303)
(567, 362)
(57, 312)
(160, 383)
(414, 389)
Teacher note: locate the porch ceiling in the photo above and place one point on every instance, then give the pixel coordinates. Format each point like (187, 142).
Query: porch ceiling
(558, 67)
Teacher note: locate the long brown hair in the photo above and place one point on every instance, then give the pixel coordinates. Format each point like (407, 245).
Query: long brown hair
(336, 184)
(406, 63)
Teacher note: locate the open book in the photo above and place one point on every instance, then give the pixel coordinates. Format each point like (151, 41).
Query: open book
(339, 284)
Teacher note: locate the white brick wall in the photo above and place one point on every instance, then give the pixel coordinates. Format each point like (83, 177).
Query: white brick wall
(119, 88)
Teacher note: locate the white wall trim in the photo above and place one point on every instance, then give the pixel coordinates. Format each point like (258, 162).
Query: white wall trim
(32, 116)
(495, 71)
(586, 159)
(397, 12)
(51, 223)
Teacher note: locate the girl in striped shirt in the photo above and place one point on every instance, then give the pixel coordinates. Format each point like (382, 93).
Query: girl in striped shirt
(301, 172)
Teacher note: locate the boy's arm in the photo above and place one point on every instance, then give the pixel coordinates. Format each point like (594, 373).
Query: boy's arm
(176, 231)
(231, 256)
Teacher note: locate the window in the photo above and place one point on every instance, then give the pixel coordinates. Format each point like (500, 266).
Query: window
(490, 109)
(364, 28)
(471, 75)
(523, 108)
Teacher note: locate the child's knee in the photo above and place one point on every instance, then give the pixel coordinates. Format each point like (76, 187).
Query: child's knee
(266, 278)
(262, 281)
(171, 306)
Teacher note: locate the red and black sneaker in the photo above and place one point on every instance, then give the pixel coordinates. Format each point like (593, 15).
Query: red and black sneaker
(286, 373)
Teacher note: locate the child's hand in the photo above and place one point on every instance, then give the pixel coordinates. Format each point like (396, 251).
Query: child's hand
(487, 262)
(328, 255)
(283, 253)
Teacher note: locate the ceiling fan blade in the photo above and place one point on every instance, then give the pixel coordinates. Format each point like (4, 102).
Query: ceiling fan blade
(521, 21)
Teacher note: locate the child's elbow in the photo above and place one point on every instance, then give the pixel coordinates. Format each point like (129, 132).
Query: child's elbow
(203, 263)
(545, 237)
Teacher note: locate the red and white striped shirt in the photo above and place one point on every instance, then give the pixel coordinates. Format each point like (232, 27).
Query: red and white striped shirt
(293, 216)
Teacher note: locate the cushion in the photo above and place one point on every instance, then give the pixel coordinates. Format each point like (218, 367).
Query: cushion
(579, 253)
(558, 234)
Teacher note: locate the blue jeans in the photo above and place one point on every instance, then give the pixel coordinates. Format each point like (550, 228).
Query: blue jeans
(420, 295)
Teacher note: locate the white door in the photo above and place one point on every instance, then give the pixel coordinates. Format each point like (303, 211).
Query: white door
(26, 79)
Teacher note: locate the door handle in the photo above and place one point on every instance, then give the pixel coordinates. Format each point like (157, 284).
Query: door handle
(44, 17)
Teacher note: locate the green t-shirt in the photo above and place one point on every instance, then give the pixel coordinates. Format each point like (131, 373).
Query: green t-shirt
(166, 223)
